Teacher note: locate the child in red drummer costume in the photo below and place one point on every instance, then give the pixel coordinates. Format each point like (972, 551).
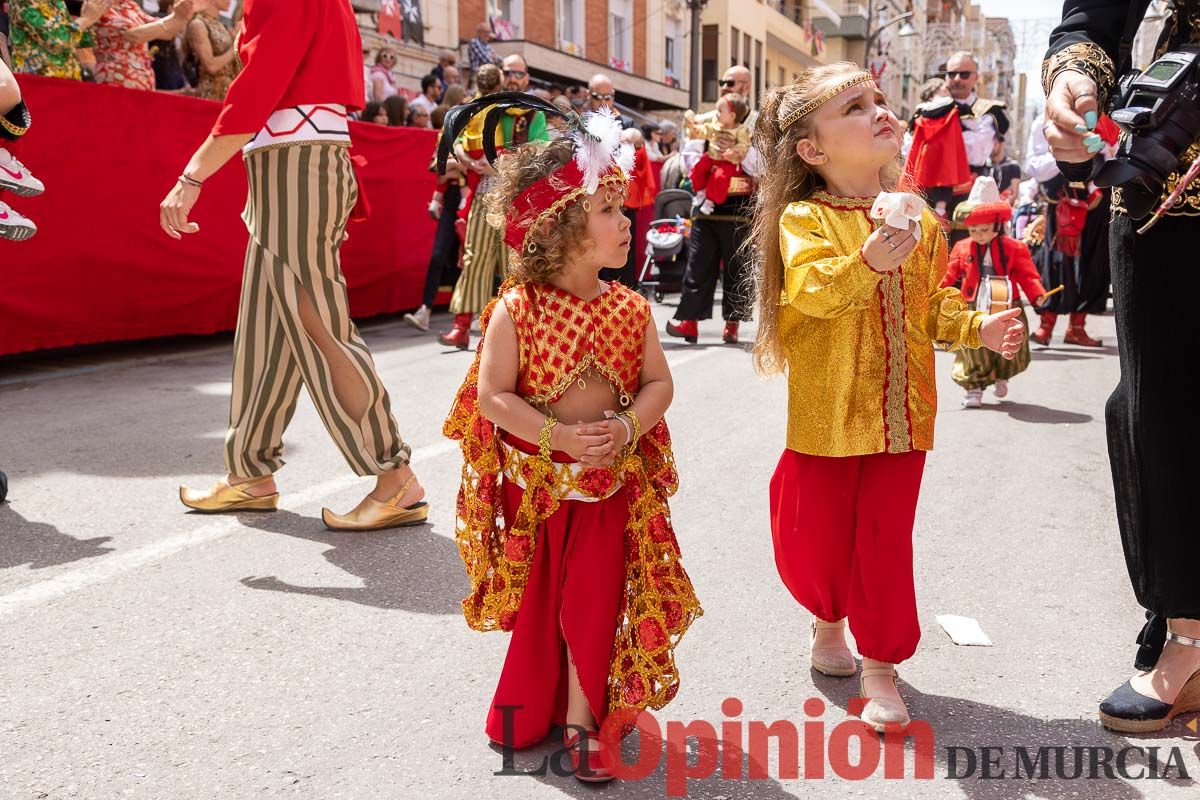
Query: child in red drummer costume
(989, 252)
(563, 521)
(851, 312)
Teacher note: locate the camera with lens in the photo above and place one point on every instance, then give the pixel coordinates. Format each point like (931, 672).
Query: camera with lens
(1159, 111)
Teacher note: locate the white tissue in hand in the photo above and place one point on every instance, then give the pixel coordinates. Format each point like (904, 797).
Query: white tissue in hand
(898, 209)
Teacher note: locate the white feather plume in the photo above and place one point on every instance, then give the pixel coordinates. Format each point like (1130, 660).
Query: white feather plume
(625, 157)
(597, 146)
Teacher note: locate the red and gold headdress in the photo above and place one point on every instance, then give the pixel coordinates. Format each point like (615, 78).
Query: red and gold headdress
(600, 159)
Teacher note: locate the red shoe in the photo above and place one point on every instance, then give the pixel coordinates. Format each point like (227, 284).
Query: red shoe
(685, 329)
(730, 336)
(1046, 329)
(1077, 335)
(460, 335)
(586, 764)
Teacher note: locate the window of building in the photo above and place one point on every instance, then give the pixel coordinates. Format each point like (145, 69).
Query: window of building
(708, 64)
(508, 18)
(782, 76)
(570, 26)
(735, 39)
(620, 34)
(758, 70)
(672, 65)
(747, 53)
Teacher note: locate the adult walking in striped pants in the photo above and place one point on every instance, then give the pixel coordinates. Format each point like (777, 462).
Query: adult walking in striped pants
(286, 112)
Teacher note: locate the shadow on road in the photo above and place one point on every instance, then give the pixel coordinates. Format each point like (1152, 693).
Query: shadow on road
(40, 545)
(1074, 353)
(1031, 412)
(409, 569)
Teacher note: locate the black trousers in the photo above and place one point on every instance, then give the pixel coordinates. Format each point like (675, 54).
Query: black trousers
(443, 261)
(1153, 428)
(712, 242)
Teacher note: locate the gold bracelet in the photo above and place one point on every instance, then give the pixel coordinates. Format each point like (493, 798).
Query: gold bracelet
(632, 417)
(544, 438)
(1086, 58)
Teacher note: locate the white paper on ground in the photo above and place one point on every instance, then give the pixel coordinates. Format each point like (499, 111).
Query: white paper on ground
(963, 630)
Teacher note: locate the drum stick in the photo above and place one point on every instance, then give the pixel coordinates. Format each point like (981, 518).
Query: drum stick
(1053, 291)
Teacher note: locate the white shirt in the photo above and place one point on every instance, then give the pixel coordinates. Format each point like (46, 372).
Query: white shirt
(1039, 161)
(422, 102)
(979, 136)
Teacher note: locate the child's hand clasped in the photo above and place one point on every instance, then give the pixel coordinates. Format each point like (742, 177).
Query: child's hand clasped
(590, 443)
(886, 248)
(1003, 332)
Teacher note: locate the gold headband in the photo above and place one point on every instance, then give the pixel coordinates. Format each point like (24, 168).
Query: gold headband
(823, 98)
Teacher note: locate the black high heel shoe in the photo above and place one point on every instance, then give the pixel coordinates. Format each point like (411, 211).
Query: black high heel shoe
(1127, 711)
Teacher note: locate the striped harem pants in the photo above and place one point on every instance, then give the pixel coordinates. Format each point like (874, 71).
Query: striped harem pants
(484, 257)
(299, 203)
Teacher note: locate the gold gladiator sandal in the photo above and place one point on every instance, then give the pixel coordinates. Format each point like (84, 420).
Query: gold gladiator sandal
(879, 712)
(837, 662)
(224, 497)
(372, 515)
(1128, 711)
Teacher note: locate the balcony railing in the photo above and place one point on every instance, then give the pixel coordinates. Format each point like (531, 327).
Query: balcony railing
(853, 20)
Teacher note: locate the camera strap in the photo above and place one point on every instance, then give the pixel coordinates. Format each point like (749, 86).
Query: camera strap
(1133, 21)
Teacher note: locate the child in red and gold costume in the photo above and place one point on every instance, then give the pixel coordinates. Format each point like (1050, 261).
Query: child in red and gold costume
(989, 252)
(563, 521)
(851, 310)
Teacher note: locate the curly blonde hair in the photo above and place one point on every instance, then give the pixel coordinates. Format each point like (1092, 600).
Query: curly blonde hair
(551, 245)
(785, 179)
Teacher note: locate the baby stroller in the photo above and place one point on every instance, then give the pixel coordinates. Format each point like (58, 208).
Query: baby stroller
(666, 244)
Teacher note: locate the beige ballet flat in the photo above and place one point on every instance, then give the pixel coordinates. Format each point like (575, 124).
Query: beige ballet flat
(881, 712)
(223, 497)
(837, 662)
(372, 515)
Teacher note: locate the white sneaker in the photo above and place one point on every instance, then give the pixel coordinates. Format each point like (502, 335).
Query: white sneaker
(1001, 388)
(419, 319)
(15, 226)
(973, 398)
(16, 177)
(707, 207)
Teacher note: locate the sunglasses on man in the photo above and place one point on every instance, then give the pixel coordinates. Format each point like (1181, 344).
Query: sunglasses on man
(961, 74)
(515, 73)
(603, 97)
(727, 82)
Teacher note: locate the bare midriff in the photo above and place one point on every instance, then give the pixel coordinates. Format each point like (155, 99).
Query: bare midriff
(586, 400)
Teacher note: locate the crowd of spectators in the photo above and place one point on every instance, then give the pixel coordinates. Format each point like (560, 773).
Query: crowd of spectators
(185, 46)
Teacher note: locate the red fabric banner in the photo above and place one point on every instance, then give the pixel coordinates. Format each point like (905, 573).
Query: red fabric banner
(100, 269)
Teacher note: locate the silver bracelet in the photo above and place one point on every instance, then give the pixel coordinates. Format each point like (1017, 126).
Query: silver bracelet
(184, 179)
(628, 428)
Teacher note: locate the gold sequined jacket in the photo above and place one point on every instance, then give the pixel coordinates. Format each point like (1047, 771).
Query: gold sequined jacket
(859, 343)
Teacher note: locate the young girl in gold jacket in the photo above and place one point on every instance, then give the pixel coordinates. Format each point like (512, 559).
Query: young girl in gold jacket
(851, 310)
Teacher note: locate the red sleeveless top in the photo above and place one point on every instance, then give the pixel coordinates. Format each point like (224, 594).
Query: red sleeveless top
(561, 336)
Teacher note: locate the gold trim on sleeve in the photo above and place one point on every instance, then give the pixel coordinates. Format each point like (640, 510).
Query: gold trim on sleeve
(1086, 58)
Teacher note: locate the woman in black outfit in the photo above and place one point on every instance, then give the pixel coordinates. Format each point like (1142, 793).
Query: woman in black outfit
(1153, 428)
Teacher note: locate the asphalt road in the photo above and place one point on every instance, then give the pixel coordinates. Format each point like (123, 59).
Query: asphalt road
(150, 653)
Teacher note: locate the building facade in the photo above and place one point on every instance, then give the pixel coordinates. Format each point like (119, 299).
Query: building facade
(640, 44)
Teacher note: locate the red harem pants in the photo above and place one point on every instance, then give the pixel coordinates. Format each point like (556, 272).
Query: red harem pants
(843, 543)
(572, 599)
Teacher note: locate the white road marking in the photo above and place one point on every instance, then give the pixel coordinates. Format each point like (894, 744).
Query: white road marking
(120, 563)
